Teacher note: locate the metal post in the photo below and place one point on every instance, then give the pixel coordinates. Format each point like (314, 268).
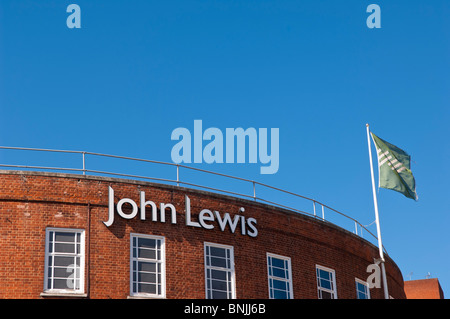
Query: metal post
(377, 219)
(84, 163)
(323, 213)
(178, 175)
(314, 206)
(254, 190)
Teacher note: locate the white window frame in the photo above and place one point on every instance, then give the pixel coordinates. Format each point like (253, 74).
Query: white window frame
(162, 262)
(271, 277)
(231, 269)
(365, 284)
(333, 291)
(81, 254)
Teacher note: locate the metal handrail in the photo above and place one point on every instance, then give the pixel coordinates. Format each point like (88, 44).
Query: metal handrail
(178, 181)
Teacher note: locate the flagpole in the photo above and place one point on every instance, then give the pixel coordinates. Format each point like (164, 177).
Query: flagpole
(377, 218)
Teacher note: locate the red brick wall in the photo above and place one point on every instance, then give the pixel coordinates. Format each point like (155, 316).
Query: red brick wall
(31, 202)
(423, 289)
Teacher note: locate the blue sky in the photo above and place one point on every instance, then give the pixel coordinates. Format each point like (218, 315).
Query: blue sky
(136, 70)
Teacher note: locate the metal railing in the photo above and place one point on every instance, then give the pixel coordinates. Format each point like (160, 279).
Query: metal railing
(318, 208)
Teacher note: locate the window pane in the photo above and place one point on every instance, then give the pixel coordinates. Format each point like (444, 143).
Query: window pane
(64, 237)
(147, 243)
(61, 284)
(218, 274)
(325, 284)
(63, 261)
(324, 274)
(219, 285)
(63, 272)
(219, 294)
(218, 262)
(218, 252)
(279, 272)
(147, 253)
(144, 277)
(64, 248)
(277, 262)
(278, 284)
(147, 288)
(278, 294)
(326, 295)
(145, 266)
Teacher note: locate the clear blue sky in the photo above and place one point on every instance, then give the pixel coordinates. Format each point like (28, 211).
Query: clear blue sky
(136, 70)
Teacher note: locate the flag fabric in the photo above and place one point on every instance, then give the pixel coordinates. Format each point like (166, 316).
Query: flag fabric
(394, 169)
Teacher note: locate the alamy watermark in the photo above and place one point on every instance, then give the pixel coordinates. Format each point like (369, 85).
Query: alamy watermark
(73, 21)
(72, 279)
(374, 279)
(237, 142)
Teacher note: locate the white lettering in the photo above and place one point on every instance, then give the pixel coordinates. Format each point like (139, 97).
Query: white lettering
(206, 215)
(251, 222)
(198, 138)
(163, 212)
(184, 146)
(110, 207)
(133, 205)
(240, 135)
(206, 218)
(264, 157)
(144, 205)
(227, 220)
(74, 20)
(246, 309)
(374, 20)
(374, 280)
(216, 146)
(212, 310)
(188, 213)
(213, 152)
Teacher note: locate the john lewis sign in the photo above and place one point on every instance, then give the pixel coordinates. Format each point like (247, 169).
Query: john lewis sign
(206, 219)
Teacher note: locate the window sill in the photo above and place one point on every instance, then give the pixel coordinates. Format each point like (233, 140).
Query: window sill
(145, 297)
(63, 294)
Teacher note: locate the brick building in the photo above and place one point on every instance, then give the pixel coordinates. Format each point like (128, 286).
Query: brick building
(423, 289)
(65, 235)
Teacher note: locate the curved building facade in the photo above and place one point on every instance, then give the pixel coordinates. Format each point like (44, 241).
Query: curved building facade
(65, 236)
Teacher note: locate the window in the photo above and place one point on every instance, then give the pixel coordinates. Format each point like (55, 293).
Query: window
(362, 289)
(219, 272)
(326, 283)
(147, 269)
(64, 261)
(279, 276)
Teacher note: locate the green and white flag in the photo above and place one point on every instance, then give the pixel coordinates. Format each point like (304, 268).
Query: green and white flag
(394, 168)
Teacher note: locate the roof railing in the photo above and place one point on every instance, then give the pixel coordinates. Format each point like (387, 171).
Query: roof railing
(318, 208)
